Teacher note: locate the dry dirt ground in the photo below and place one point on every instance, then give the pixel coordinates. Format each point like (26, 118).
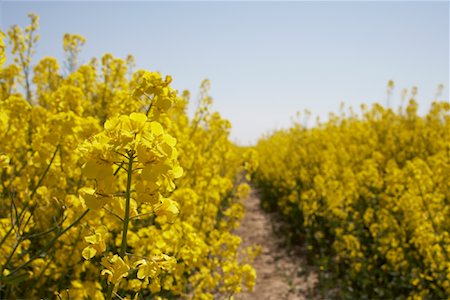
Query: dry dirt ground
(282, 272)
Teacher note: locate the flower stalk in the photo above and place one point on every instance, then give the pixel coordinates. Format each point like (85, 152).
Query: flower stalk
(123, 248)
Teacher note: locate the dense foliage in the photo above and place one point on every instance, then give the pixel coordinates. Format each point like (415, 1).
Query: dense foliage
(108, 189)
(370, 195)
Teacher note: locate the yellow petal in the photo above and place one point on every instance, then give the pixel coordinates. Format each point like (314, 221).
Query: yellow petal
(167, 208)
(93, 202)
(139, 262)
(170, 140)
(89, 252)
(90, 199)
(164, 103)
(177, 172)
(138, 117)
(137, 121)
(104, 170)
(101, 229)
(90, 169)
(141, 271)
(93, 239)
(111, 123)
(156, 128)
(107, 272)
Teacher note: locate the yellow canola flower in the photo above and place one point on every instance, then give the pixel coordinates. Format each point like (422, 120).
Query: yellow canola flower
(96, 241)
(97, 169)
(132, 124)
(147, 192)
(149, 269)
(116, 269)
(82, 290)
(177, 172)
(167, 208)
(72, 42)
(92, 199)
(4, 161)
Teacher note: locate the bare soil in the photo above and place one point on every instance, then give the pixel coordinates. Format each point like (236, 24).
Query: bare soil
(282, 271)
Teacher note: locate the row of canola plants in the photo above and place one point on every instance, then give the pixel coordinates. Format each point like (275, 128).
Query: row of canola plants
(369, 195)
(108, 189)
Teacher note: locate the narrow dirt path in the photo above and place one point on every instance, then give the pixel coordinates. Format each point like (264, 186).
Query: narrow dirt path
(282, 273)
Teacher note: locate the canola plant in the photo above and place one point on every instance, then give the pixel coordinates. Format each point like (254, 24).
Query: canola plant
(369, 193)
(108, 189)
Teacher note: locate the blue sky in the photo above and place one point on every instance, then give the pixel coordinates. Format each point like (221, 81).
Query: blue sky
(265, 60)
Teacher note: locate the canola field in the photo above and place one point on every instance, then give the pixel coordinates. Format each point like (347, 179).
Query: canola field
(370, 196)
(109, 190)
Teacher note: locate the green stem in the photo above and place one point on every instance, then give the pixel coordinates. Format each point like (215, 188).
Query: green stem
(110, 291)
(126, 219)
(123, 248)
(118, 168)
(149, 108)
